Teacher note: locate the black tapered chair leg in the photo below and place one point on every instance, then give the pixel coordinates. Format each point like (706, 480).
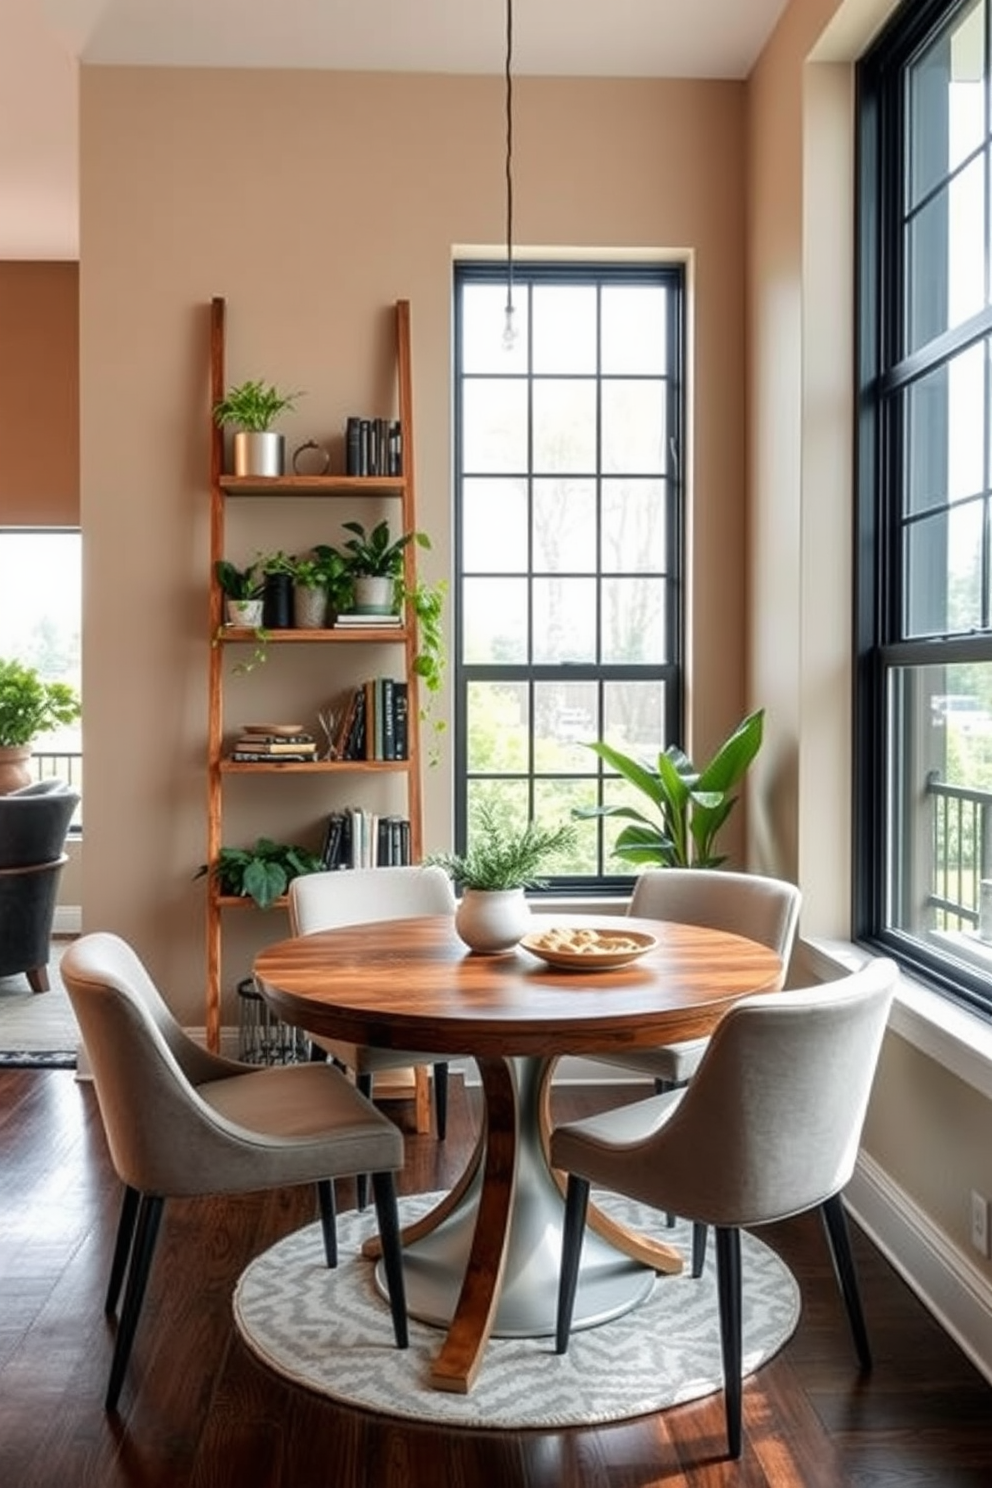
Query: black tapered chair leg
(576, 1204)
(839, 1240)
(728, 1274)
(387, 1215)
(328, 1220)
(122, 1246)
(146, 1233)
(441, 1098)
(364, 1084)
(317, 1054)
(699, 1232)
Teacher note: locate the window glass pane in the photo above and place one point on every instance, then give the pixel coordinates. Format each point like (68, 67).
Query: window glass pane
(939, 807)
(635, 329)
(634, 523)
(494, 425)
(494, 614)
(494, 533)
(634, 620)
(499, 722)
(482, 325)
(944, 571)
(946, 257)
(41, 614)
(564, 526)
(946, 105)
(564, 328)
(945, 437)
(634, 718)
(564, 722)
(634, 434)
(564, 620)
(565, 425)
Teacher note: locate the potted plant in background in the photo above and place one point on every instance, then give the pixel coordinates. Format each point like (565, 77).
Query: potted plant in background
(252, 408)
(29, 706)
(689, 806)
(426, 602)
(242, 592)
(376, 563)
(262, 872)
(501, 861)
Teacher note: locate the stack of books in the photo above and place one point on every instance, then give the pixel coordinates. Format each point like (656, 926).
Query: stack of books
(356, 838)
(352, 620)
(274, 744)
(372, 722)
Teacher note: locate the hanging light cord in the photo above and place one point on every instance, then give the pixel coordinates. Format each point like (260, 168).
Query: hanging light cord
(509, 331)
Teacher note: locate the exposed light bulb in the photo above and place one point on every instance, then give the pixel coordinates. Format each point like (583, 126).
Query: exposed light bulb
(509, 328)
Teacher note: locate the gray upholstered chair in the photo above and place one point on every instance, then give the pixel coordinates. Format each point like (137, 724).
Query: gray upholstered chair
(181, 1121)
(763, 909)
(324, 901)
(33, 826)
(768, 1127)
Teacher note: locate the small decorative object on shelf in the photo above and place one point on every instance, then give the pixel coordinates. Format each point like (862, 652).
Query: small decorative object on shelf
(311, 458)
(373, 446)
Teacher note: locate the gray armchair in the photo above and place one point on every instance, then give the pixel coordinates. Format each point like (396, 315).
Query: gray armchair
(33, 826)
(768, 1127)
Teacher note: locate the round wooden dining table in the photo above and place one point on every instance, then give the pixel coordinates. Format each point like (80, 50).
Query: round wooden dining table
(486, 1259)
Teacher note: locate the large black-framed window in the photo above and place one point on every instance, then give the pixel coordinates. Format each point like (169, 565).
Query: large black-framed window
(569, 541)
(923, 706)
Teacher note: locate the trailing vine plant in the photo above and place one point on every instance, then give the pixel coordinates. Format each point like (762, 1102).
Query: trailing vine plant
(427, 604)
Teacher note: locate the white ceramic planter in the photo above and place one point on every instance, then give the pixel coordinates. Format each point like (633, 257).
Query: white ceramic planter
(492, 920)
(309, 607)
(374, 594)
(244, 612)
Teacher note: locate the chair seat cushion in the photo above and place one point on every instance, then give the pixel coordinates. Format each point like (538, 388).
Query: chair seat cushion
(676, 1063)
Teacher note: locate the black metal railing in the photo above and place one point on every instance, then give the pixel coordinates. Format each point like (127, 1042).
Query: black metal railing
(961, 851)
(67, 766)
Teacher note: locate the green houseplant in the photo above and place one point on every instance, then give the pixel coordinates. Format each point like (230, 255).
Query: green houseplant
(243, 589)
(252, 408)
(375, 562)
(29, 706)
(426, 601)
(686, 807)
(501, 860)
(262, 872)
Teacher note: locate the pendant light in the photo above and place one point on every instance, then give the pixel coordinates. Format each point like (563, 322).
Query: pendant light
(509, 328)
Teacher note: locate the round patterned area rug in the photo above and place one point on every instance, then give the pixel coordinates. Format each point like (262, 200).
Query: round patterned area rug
(330, 1331)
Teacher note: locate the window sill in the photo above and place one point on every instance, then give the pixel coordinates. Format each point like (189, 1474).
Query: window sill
(956, 1039)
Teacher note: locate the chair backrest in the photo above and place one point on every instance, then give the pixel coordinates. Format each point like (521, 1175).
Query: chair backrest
(34, 821)
(145, 1067)
(354, 896)
(763, 909)
(770, 1124)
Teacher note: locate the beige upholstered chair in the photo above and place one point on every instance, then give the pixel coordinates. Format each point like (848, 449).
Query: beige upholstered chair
(181, 1121)
(763, 909)
(768, 1127)
(325, 901)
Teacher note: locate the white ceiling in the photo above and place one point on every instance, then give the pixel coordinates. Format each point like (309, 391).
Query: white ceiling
(43, 41)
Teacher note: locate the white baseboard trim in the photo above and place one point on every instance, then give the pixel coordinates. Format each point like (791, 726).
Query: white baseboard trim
(946, 1281)
(68, 919)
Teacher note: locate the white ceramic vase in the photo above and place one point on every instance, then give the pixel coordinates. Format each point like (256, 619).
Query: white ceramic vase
(374, 594)
(492, 920)
(244, 612)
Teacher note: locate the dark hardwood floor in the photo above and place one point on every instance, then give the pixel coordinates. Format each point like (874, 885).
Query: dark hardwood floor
(198, 1412)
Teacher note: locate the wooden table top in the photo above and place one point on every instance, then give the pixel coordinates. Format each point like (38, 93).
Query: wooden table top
(413, 984)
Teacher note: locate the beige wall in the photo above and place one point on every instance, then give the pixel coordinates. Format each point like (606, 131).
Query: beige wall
(928, 1131)
(39, 394)
(312, 202)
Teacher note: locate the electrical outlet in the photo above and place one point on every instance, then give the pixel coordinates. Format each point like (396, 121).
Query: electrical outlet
(980, 1222)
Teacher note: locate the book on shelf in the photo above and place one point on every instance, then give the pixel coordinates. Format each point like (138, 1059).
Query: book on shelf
(261, 757)
(401, 730)
(276, 746)
(388, 718)
(373, 446)
(352, 621)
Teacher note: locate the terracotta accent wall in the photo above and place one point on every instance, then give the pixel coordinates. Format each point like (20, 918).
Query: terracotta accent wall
(354, 191)
(39, 394)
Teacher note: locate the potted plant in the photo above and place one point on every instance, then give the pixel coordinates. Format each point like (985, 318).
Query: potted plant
(28, 706)
(252, 407)
(262, 872)
(689, 806)
(378, 557)
(501, 861)
(242, 592)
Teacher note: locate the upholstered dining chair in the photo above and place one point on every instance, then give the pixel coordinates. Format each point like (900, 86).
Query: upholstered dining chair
(325, 901)
(768, 1127)
(182, 1122)
(763, 909)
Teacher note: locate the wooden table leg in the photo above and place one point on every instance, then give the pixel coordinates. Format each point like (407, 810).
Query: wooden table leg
(458, 1362)
(654, 1253)
(372, 1247)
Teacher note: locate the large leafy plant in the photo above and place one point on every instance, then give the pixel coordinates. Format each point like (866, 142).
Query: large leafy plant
(262, 872)
(686, 807)
(30, 706)
(376, 553)
(253, 406)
